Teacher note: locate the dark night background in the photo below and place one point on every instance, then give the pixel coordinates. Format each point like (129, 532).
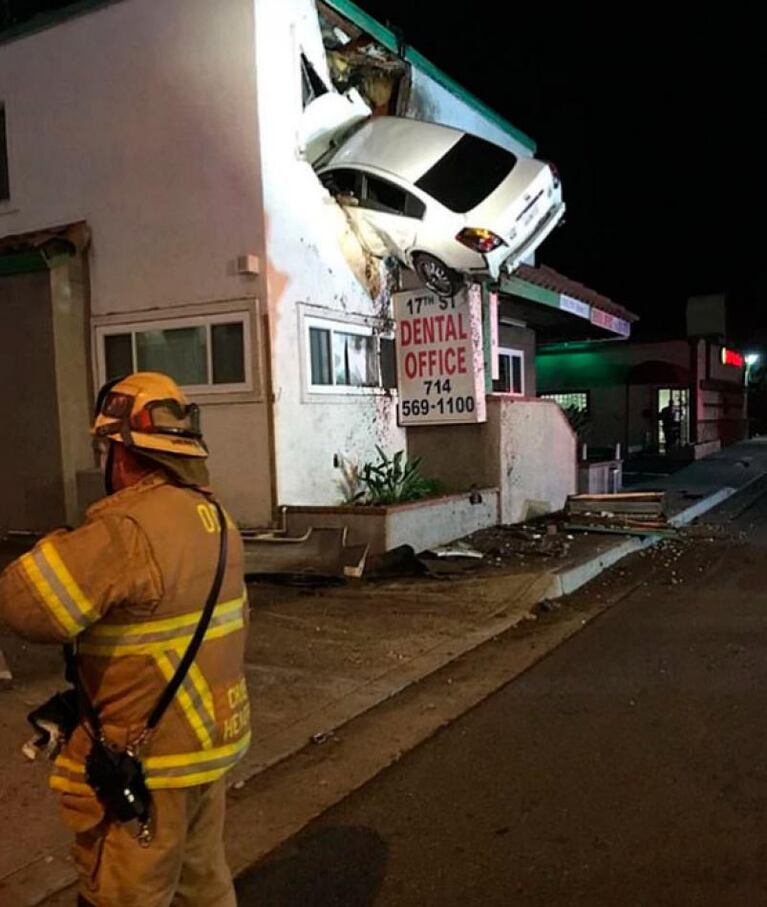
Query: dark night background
(654, 119)
(655, 123)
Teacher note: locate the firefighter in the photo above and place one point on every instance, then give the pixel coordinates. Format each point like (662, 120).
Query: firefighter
(128, 589)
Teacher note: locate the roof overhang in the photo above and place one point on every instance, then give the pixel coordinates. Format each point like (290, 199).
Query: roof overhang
(41, 250)
(562, 310)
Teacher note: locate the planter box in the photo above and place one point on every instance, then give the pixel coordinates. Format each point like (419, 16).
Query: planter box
(421, 524)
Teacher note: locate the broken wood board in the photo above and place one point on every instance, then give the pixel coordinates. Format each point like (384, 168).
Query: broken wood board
(317, 553)
(649, 508)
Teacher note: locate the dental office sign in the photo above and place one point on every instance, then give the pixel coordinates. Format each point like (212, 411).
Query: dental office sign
(440, 357)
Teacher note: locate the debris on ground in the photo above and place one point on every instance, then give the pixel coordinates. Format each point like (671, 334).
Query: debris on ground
(520, 541)
(397, 562)
(456, 549)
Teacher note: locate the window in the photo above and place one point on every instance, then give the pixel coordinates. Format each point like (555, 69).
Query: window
(511, 373)
(346, 357)
(467, 174)
(343, 182)
(373, 193)
(5, 187)
(312, 86)
(199, 353)
(577, 400)
(383, 196)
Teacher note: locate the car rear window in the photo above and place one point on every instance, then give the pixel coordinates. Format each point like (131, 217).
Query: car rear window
(467, 174)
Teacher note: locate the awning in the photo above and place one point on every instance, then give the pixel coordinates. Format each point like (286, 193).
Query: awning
(39, 250)
(561, 309)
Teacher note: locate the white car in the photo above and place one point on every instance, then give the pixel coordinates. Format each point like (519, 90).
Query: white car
(442, 201)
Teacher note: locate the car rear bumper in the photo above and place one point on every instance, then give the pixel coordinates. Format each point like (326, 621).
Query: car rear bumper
(501, 260)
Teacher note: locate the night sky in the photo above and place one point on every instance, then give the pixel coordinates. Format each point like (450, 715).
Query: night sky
(654, 123)
(654, 120)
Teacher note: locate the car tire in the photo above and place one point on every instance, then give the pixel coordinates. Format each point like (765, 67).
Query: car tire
(436, 275)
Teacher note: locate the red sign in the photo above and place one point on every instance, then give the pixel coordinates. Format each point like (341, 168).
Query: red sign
(730, 357)
(610, 322)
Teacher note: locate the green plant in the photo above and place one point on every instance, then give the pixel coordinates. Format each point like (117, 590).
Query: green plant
(349, 484)
(393, 480)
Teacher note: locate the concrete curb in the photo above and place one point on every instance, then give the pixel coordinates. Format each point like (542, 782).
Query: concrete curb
(568, 581)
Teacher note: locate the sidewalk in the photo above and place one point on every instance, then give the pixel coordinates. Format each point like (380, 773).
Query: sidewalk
(318, 658)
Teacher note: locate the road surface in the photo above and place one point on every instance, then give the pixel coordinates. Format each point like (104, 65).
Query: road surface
(627, 768)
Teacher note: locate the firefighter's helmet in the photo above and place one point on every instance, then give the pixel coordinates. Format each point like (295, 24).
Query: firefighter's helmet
(148, 411)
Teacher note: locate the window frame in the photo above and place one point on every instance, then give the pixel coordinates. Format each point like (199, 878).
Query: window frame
(5, 162)
(365, 201)
(520, 354)
(207, 321)
(360, 193)
(342, 327)
(552, 395)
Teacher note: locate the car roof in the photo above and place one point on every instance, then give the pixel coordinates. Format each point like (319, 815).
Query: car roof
(403, 147)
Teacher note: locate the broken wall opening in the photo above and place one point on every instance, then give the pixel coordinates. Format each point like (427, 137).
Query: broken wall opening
(356, 60)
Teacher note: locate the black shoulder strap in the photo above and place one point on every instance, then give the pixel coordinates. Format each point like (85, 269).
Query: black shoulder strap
(193, 648)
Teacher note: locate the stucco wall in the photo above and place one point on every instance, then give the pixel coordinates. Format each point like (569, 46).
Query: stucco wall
(74, 392)
(526, 448)
(537, 457)
(140, 118)
(315, 267)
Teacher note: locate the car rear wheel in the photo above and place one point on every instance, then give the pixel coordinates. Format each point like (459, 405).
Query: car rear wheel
(436, 275)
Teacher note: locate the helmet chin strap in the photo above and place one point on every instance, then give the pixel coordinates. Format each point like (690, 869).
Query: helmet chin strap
(109, 468)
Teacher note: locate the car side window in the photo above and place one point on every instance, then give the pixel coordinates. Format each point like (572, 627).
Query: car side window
(343, 182)
(390, 199)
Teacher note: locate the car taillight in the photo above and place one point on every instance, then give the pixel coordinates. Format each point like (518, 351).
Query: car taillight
(479, 240)
(554, 172)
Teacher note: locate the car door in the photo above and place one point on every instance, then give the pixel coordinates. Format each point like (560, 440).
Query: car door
(393, 213)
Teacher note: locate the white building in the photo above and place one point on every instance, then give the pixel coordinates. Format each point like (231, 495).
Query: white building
(160, 214)
(157, 211)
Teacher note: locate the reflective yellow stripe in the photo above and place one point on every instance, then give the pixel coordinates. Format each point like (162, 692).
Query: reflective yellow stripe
(69, 765)
(106, 649)
(155, 764)
(57, 782)
(187, 706)
(181, 770)
(158, 782)
(84, 606)
(190, 619)
(197, 679)
(49, 597)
